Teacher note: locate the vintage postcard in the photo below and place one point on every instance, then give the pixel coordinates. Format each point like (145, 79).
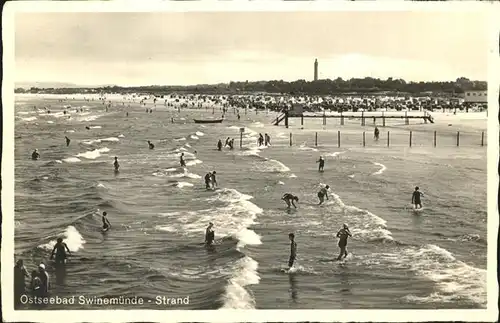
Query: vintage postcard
(250, 161)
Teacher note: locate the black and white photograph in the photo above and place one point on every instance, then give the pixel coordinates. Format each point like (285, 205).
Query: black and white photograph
(189, 159)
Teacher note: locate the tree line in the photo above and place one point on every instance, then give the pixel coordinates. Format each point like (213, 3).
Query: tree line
(338, 86)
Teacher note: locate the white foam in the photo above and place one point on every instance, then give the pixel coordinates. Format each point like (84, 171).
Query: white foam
(95, 127)
(193, 162)
(71, 160)
(335, 154)
(306, 148)
(121, 136)
(187, 145)
(381, 170)
(183, 184)
(72, 238)
(180, 139)
(292, 176)
(273, 165)
(70, 131)
(244, 274)
(194, 137)
(455, 279)
(101, 185)
(281, 183)
(50, 121)
(93, 154)
(29, 119)
(199, 133)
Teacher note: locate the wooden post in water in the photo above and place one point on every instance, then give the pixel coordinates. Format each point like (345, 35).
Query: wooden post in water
(362, 118)
(286, 119)
(338, 138)
(435, 138)
(410, 137)
(364, 138)
(482, 138)
(241, 139)
(316, 140)
(324, 118)
(213, 110)
(458, 138)
(383, 119)
(302, 120)
(341, 119)
(387, 138)
(290, 139)
(407, 121)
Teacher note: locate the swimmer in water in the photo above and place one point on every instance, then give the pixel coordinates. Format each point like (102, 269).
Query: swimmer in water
(183, 163)
(290, 199)
(151, 146)
(415, 198)
(293, 250)
(67, 141)
(209, 235)
(60, 251)
(117, 166)
(323, 192)
(87, 127)
(35, 155)
(321, 162)
(343, 234)
(105, 222)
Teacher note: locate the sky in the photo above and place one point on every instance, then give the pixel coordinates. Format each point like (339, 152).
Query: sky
(175, 48)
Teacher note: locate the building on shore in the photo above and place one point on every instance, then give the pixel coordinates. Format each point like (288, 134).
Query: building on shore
(316, 69)
(476, 96)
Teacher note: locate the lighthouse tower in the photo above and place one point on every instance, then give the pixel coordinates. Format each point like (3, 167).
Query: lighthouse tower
(316, 69)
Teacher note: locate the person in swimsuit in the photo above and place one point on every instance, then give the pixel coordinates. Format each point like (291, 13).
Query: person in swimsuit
(415, 199)
(105, 222)
(323, 192)
(343, 234)
(376, 133)
(321, 162)
(213, 179)
(209, 235)
(44, 277)
(293, 250)
(208, 178)
(67, 141)
(219, 145)
(36, 284)
(290, 199)
(182, 161)
(60, 251)
(151, 146)
(35, 155)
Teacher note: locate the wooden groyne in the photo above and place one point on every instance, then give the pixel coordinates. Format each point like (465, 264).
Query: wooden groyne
(378, 115)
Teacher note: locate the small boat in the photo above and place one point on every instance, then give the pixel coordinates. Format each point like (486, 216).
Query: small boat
(208, 121)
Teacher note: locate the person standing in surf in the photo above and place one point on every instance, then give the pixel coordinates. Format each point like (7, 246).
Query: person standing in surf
(208, 178)
(293, 250)
(67, 141)
(290, 199)
(415, 198)
(213, 180)
(209, 234)
(151, 145)
(376, 133)
(117, 166)
(105, 222)
(219, 145)
(182, 161)
(323, 192)
(59, 250)
(20, 273)
(321, 162)
(343, 234)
